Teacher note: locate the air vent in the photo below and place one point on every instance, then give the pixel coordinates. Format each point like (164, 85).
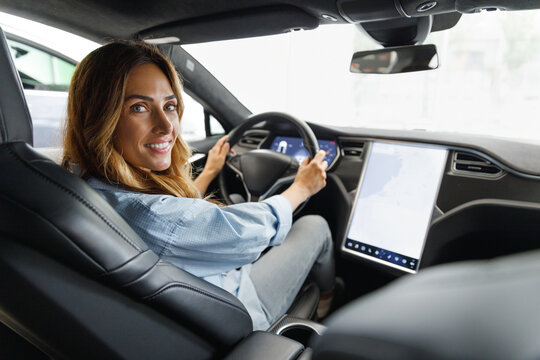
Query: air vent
(352, 148)
(252, 139)
(465, 163)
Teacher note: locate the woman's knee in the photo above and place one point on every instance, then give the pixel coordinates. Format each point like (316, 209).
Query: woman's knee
(314, 222)
(318, 229)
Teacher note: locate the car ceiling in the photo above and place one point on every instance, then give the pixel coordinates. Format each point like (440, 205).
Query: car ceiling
(102, 19)
(206, 20)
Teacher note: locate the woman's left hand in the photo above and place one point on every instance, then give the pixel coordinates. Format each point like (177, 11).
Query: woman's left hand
(216, 157)
(214, 164)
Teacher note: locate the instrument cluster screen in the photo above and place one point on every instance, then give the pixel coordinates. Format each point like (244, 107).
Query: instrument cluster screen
(294, 146)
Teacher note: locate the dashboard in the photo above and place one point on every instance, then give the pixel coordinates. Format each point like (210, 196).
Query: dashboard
(483, 203)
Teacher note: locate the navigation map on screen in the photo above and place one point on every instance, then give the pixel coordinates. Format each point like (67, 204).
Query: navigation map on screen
(394, 203)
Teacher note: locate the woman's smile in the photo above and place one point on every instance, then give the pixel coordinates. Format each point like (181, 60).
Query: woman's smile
(160, 147)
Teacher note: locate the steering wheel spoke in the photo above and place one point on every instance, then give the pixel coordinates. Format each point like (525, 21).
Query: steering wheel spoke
(292, 170)
(233, 162)
(284, 181)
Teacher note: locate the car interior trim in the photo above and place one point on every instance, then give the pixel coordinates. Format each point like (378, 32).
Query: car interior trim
(510, 154)
(454, 147)
(267, 20)
(480, 174)
(241, 177)
(12, 101)
(399, 8)
(281, 182)
(225, 104)
(290, 325)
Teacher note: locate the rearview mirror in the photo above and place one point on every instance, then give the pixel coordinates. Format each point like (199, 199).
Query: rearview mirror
(395, 60)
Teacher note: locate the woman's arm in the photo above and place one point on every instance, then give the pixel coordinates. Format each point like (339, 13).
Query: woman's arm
(201, 237)
(214, 164)
(311, 178)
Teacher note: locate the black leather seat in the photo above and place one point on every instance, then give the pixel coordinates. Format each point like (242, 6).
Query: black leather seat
(471, 310)
(76, 281)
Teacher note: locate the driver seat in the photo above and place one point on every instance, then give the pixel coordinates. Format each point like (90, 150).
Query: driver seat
(77, 281)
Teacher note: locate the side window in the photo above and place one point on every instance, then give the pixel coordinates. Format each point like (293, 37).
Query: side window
(45, 78)
(193, 125)
(215, 126)
(40, 70)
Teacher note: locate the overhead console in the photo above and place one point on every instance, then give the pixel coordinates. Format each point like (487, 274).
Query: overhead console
(393, 23)
(356, 11)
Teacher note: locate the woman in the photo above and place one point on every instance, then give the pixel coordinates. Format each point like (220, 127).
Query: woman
(124, 111)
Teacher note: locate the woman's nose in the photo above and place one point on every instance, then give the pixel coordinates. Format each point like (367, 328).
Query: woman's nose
(163, 125)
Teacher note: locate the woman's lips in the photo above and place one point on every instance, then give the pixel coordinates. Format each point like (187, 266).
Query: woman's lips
(159, 147)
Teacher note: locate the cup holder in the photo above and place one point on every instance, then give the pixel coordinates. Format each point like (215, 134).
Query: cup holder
(299, 332)
(297, 329)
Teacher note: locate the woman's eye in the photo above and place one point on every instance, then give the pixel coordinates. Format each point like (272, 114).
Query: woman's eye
(170, 107)
(138, 108)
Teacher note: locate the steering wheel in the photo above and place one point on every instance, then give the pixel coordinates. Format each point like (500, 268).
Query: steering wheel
(263, 171)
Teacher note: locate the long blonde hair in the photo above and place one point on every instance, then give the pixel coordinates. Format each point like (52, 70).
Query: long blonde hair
(95, 100)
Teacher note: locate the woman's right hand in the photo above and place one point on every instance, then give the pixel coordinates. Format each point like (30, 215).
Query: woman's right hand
(310, 179)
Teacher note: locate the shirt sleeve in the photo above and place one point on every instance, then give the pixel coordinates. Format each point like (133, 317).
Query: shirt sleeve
(206, 239)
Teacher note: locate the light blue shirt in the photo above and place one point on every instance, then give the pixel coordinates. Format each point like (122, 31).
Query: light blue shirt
(215, 243)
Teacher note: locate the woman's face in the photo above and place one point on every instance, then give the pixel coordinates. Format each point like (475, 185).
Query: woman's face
(149, 123)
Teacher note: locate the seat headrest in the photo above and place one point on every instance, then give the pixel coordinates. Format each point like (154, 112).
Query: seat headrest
(15, 120)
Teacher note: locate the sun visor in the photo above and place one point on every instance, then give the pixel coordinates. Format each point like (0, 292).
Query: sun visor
(240, 24)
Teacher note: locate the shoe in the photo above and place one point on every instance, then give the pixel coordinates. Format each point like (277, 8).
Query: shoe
(326, 301)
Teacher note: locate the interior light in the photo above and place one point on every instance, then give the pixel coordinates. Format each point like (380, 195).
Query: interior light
(163, 40)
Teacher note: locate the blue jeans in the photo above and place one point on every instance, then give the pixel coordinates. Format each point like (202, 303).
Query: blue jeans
(279, 274)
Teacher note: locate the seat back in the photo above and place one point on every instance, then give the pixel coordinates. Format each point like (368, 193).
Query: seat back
(57, 217)
(482, 309)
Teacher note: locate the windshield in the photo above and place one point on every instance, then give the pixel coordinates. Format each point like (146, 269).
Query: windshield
(488, 81)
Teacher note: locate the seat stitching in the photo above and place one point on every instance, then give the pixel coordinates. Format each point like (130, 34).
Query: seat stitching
(78, 197)
(194, 289)
(111, 271)
(89, 258)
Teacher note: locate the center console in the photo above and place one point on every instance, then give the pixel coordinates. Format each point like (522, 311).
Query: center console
(287, 339)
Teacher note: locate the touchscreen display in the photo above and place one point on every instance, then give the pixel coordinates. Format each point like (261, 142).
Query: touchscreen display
(294, 147)
(394, 203)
